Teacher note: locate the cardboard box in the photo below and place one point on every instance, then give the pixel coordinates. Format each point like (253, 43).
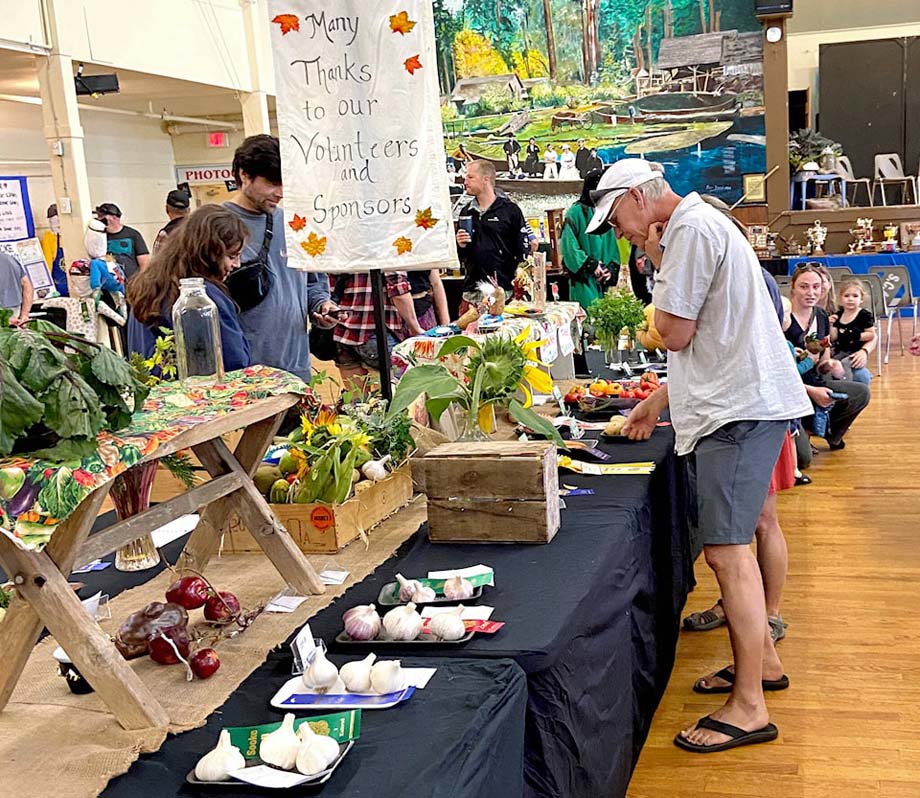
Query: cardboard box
(492, 492)
(323, 528)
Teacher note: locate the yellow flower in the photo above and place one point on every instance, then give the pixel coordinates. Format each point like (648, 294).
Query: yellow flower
(485, 418)
(535, 378)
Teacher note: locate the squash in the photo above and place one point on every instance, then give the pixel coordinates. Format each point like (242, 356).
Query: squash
(647, 333)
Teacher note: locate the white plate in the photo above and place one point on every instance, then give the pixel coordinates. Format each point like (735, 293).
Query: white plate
(337, 696)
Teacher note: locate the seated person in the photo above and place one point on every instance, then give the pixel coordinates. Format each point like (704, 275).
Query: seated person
(853, 332)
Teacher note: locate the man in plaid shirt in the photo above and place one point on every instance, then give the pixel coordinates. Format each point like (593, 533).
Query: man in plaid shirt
(356, 340)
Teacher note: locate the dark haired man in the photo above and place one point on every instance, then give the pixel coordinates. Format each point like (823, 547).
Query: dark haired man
(177, 209)
(125, 243)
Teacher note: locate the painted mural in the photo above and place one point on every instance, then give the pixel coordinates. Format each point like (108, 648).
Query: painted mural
(675, 81)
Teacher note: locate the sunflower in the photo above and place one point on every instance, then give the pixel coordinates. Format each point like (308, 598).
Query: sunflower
(534, 377)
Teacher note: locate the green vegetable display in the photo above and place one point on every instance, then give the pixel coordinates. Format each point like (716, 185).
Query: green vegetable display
(609, 314)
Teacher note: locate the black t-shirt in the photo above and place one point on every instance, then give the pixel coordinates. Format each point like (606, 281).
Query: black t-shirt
(848, 334)
(126, 245)
(796, 335)
(420, 283)
(497, 245)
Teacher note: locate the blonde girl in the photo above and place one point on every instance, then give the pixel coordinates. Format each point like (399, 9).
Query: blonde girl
(853, 331)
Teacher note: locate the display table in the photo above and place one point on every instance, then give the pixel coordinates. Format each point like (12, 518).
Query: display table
(863, 264)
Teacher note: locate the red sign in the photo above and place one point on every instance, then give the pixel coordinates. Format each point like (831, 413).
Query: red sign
(322, 518)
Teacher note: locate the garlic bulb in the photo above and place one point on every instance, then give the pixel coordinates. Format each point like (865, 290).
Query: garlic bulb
(320, 674)
(218, 764)
(317, 751)
(356, 676)
(407, 587)
(387, 677)
(457, 588)
(403, 623)
(362, 622)
(448, 625)
(280, 747)
(423, 594)
(375, 470)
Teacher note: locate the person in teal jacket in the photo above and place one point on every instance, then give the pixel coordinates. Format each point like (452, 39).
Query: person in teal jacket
(591, 260)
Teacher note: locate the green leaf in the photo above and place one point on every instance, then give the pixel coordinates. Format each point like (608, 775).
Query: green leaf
(72, 408)
(439, 404)
(111, 369)
(433, 379)
(19, 410)
(60, 494)
(531, 420)
(455, 344)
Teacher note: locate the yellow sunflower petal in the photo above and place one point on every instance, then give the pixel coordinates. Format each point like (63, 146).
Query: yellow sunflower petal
(528, 394)
(522, 336)
(539, 379)
(485, 418)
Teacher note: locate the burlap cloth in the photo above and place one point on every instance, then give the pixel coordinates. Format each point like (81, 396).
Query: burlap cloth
(54, 743)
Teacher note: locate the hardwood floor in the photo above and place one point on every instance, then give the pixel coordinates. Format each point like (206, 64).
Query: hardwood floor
(850, 722)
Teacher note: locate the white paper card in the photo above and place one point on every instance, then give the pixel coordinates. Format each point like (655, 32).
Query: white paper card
(331, 577)
(303, 647)
(91, 605)
(418, 677)
(478, 612)
(566, 344)
(284, 603)
(264, 776)
(174, 529)
(473, 570)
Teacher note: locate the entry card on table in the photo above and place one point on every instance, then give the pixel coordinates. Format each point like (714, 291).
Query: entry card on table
(476, 574)
(480, 612)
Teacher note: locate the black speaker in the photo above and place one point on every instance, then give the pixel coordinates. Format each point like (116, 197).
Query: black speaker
(96, 84)
(773, 8)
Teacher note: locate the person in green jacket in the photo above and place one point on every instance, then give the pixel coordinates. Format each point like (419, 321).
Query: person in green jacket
(590, 259)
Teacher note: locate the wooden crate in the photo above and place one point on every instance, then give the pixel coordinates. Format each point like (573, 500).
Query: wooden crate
(495, 492)
(324, 528)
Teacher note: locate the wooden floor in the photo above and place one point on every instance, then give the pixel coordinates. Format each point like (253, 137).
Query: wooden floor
(850, 722)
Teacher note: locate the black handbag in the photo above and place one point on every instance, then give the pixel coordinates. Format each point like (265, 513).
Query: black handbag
(251, 282)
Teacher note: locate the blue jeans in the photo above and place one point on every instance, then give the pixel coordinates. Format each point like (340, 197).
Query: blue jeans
(862, 375)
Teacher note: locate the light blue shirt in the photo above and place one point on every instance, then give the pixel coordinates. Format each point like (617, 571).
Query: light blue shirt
(11, 274)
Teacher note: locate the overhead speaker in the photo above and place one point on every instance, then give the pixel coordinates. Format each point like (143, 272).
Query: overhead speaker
(766, 9)
(94, 85)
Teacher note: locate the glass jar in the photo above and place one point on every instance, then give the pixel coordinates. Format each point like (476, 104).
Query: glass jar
(199, 358)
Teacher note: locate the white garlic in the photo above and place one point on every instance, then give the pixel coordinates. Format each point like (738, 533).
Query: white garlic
(356, 676)
(280, 747)
(387, 677)
(407, 587)
(375, 470)
(310, 761)
(403, 623)
(362, 622)
(218, 764)
(317, 751)
(448, 625)
(457, 588)
(423, 594)
(320, 674)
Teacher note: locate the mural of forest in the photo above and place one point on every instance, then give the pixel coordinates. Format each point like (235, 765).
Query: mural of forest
(675, 81)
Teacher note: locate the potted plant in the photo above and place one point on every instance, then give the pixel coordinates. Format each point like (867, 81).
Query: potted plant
(616, 313)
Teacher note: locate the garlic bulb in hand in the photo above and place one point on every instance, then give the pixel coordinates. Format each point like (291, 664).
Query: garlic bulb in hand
(403, 623)
(457, 588)
(218, 764)
(448, 625)
(317, 751)
(356, 676)
(407, 587)
(320, 674)
(280, 747)
(375, 470)
(387, 677)
(362, 622)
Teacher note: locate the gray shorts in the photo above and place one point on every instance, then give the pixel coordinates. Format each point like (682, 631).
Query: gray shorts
(729, 474)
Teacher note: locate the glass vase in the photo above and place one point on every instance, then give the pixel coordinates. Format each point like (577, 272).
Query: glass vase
(472, 431)
(199, 354)
(131, 495)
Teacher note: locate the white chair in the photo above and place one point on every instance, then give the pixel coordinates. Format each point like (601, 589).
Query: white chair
(888, 170)
(845, 170)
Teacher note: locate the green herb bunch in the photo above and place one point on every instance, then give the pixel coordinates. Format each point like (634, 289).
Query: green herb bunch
(609, 314)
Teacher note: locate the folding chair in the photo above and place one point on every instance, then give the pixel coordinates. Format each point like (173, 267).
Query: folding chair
(889, 169)
(897, 292)
(845, 170)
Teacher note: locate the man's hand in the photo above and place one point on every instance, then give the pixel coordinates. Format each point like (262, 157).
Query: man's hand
(18, 321)
(534, 245)
(820, 396)
(463, 238)
(641, 421)
(859, 359)
(653, 244)
(328, 314)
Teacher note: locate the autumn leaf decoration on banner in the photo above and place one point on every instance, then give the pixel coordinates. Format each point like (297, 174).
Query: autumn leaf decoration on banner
(412, 64)
(425, 220)
(314, 245)
(298, 223)
(400, 23)
(403, 245)
(288, 22)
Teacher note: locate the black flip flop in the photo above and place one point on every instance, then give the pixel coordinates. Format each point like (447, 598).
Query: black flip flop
(769, 685)
(738, 736)
(704, 621)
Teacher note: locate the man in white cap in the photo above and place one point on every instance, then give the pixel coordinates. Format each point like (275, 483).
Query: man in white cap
(732, 389)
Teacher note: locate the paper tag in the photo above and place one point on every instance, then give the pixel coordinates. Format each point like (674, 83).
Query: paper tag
(95, 565)
(483, 627)
(549, 352)
(562, 505)
(174, 529)
(477, 574)
(284, 603)
(303, 648)
(264, 776)
(332, 577)
(566, 344)
(340, 726)
(480, 612)
(576, 492)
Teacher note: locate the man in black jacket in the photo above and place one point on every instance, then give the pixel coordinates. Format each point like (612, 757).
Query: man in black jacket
(497, 244)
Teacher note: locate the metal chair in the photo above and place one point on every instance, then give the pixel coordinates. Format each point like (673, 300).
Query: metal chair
(845, 170)
(889, 169)
(897, 292)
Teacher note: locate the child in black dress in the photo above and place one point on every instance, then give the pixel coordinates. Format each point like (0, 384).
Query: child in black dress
(853, 331)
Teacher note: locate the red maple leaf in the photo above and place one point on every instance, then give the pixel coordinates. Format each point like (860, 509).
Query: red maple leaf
(412, 64)
(288, 22)
(400, 23)
(298, 223)
(425, 220)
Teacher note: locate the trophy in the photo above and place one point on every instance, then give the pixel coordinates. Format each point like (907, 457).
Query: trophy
(816, 236)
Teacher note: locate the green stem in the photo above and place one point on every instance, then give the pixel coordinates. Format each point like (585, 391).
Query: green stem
(474, 399)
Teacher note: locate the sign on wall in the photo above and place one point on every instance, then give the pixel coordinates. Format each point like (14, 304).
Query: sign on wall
(203, 174)
(365, 182)
(15, 210)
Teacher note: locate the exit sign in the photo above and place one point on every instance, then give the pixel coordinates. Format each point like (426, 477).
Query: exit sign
(220, 139)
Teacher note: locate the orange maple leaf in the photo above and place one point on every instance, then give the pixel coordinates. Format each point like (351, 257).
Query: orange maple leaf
(403, 245)
(412, 64)
(288, 22)
(400, 23)
(298, 223)
(314, 245)
(425, 220)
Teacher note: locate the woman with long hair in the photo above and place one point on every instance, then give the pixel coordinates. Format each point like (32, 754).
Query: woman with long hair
(207, 245)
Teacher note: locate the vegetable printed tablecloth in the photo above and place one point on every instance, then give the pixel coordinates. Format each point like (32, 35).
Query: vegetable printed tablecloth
(36, 496)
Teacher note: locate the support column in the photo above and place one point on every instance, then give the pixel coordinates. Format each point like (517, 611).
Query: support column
(776, 101)
(255, 102)
(255, 113)
(64, 135)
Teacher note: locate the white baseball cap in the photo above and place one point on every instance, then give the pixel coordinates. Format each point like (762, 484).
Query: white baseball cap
(617, 180)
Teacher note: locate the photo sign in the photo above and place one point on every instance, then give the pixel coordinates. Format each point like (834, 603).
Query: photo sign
(365, 178)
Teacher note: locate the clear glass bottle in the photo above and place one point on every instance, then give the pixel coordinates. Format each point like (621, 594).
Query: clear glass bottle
(199, 357)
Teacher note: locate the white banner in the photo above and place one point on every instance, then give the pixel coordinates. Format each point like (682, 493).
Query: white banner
(365, 179)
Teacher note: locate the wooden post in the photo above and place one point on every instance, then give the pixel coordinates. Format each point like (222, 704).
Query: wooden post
(776, 100)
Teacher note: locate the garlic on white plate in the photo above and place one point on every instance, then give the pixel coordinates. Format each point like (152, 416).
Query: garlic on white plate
(376, 470)
(403, 623)
(219, 763)
(362, 622)
(457, 588)
(280, 747)
(356, 676)
(320, 674)
(407, 587)
(448, 625)
(387, 677)
(316, 752)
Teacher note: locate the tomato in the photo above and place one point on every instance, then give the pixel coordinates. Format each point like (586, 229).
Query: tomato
(627, 395)
(649, 376)
(642, 394)
(572, 398)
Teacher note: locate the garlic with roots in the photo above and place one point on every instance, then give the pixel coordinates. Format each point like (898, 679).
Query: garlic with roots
(362, 622)
(376, 470)
(320, 674)
(316, 752)
(356, 676)
(407, 587)
(457, 588)
(448, 625)
(403, 623)
(387, 677)
(280, 747)
(218, 764)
